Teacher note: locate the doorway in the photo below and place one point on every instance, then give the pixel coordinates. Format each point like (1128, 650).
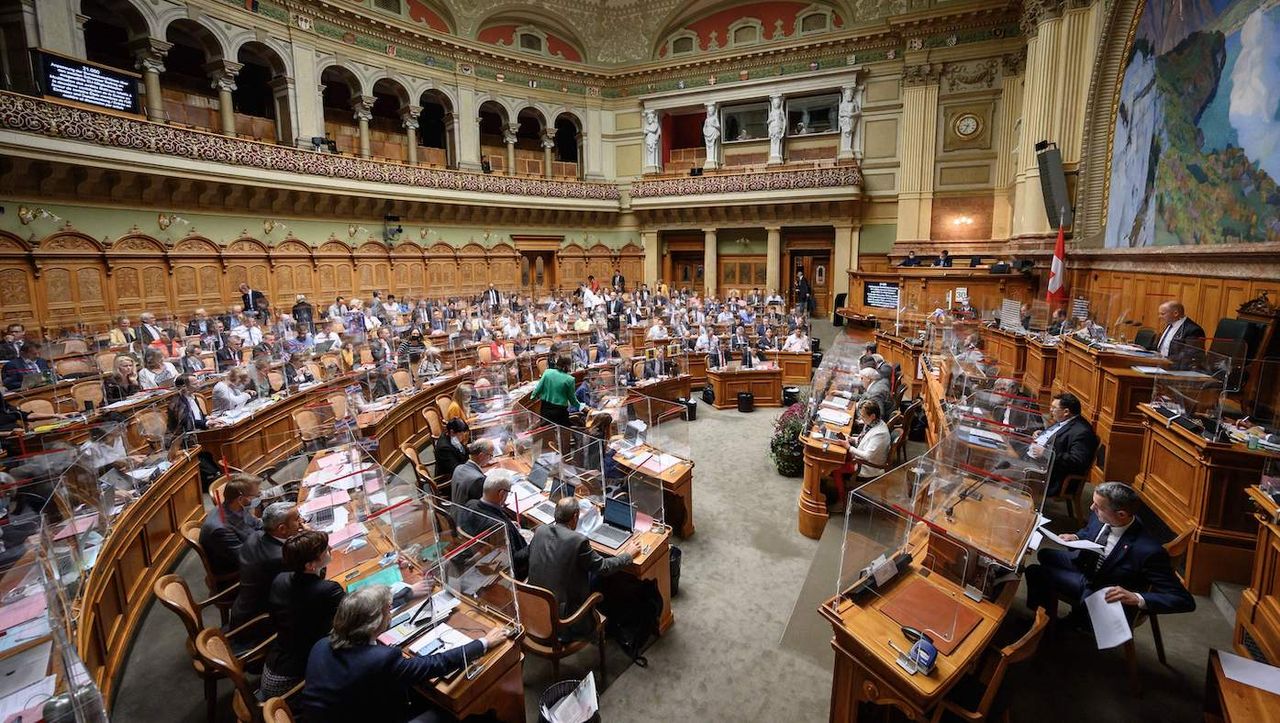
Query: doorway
(686, 270)
(537, 273)
(816, 265)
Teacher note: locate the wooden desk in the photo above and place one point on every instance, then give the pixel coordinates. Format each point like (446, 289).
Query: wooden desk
(1258, 615)
(865, 667)
(697, 370)
(1041, 370)
(797, 367)
(268, 436)
(1228, 701)
(935, 417)
(1007, 348)
(1199, 486)
(765, 384)
(144, 544)
(404, 422)
(821, 457)
(896, 350)
(923, 287)
(677, 490)
(669, 389)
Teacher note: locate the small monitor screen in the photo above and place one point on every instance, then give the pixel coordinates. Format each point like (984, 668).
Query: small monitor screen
(619, 513)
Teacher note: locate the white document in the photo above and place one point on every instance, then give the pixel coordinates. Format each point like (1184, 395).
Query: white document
(1250, 672)
(1037, 537)
(833, 416)
(1110, 627)
(24, 669)
(29, 696)
(449, 637)
(1073, 544)
(1147, 370)
(578, 706)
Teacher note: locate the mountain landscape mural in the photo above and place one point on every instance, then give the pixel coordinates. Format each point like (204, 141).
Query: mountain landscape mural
(1196, 153)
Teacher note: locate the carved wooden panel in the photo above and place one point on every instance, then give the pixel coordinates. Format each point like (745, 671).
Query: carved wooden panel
(345, 285)
(16, 293)
(326, 275)
(284, 287)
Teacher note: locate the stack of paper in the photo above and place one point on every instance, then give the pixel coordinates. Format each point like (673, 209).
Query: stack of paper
(449, 637)
(834, 416)
(322, 502)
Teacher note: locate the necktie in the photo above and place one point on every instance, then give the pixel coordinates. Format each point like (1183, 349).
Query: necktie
(1091, 563)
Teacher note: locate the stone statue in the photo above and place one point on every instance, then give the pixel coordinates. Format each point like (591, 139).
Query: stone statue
(652, 136)
(711, 136)
(849, 113)
(777, 128)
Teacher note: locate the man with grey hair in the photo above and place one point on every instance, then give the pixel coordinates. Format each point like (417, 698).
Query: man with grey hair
(1132, 567)
(351, 676)
(876, 389)
(262, 558)
(489, 511)
(562, 560)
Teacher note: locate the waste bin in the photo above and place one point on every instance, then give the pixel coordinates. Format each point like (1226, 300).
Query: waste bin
(558, 691)
(746, 402)
(815, 344)
(836, 319)
(690, 409)
(790, 395)
(816, 359)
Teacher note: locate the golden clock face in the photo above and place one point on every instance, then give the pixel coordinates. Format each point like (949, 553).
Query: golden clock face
(967, 125)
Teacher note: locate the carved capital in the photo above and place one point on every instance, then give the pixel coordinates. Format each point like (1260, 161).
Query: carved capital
(1015, 63)
(149, 54)
(409, 116)
(922, 74)
(362, 107)
(222, 74)
(549, 138)
(509, 133)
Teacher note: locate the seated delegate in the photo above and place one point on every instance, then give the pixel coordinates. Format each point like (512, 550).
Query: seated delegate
(262, 558)
(228, 525)
(1070, 438)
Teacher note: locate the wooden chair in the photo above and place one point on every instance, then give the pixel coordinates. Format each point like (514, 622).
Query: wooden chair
(216, 488)
(216, 584)
(593, 354)
(442, 402)
(77, 366)
(276, 710)
(339, 404)
(215, 650)
(403, 380)
(106, 361)
(426, 477)
(317, 372)
(542, 365)
(87, 391)
(309, 427)
(75, 346)
(366, 356)
(434, 423)
(540, 615)
(993, 672)
(1177, 551)
(150, 427)
(36, 406)
(173, 593)
(483, 355)
(1072, 494)
(637, 369)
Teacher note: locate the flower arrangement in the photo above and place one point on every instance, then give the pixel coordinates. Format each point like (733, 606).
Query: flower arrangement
(785, 448)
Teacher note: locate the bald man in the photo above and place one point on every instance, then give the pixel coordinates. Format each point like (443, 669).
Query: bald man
(1178, 329)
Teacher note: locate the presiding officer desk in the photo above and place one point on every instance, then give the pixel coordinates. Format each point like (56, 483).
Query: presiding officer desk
(764, 383)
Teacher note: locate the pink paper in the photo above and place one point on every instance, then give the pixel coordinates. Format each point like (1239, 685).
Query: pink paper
(324, 502)
(77, 526)
(27, 608)
(354, 529)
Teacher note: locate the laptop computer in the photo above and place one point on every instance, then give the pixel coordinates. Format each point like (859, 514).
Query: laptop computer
(619, 520)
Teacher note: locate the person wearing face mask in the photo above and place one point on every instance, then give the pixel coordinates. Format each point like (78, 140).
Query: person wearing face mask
(301, 603)
(261, 558)
(232, 392)
(227, 526)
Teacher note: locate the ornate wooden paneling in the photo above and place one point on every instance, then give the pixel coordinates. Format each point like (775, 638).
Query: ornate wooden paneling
(197, 274)
(473, 269)
(140, 275)
(1208, 299)
(631, 263)
(442, 269)
(73, 270)
(572, 262)
(17, 287)
(600, 262)
(504, 267)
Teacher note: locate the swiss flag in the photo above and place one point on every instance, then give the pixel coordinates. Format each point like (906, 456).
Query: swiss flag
(1057, 292)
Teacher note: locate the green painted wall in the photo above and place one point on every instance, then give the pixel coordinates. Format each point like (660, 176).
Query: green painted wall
(728, 242)
(877, 238)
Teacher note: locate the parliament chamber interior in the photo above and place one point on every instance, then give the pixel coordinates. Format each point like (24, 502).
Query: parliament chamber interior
(361, 360)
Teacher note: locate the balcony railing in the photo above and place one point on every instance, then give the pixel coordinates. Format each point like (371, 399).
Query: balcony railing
(35, 115)
(782, 179)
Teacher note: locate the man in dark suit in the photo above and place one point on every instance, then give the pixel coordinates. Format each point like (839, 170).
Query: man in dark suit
(11, 344)
(492, 299)
(303, 313)
(466, 483)
(149, 332)
(562, 560)
(28, 362)
(802, 293)
(261, 559)
(911, 260)
(613, 312)
(1181, 335)
(1070, 438)
(1132, 567)
(618, 282)
(253, 300)
(200, 324)
(943, 260)
(491, 511)
(350, 676)
(227, 526)
(231, 354)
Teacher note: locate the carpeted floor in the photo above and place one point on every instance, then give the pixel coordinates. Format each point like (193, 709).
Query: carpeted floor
(748, 644)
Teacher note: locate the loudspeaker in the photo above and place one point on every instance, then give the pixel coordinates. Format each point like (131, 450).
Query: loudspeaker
(695, 171)
(1053, 184)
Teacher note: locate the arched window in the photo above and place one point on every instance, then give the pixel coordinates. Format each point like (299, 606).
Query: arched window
(530, 42)
(747, 31)
(814, 19)
(684, 43)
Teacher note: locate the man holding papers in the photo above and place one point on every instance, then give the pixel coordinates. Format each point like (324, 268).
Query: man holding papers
(1131, 566)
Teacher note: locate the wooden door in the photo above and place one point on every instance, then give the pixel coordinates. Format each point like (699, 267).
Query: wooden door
(537, 273)
(817, 269)
(686, 271)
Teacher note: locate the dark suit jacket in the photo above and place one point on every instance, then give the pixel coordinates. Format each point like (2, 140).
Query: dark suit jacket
(260, 562)
(181, 419)
(145, 335)
(943, 262)
(253, 300)
(475, 524)
(1073, 448)
(196, 327)
(303, 313)
(371, 682)
(448, 457)
(225, 358)
(16, 369)
(293, 376)
(466, 484)
(561, 560)
(1186, 347)
(221, 536)
(9, 350)
(1137, 563)
(618, 281)
(301, 606)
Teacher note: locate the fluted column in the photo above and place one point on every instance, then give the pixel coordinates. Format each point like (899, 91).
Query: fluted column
(1007, 148)
(409, 117)
(222, 77)
(709, 277)
(652, 256)
(1041, 107)
(548, 148)
(362, 109)
(149, 55)
(509, 137)
(919, 150)
(773, 262)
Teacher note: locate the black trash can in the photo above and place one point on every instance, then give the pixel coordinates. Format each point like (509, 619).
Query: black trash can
(815, 344)
(817, 359)
(690, 409)
(790, 395)
(746, 402)
(676, 555)
(557, 692)
(836, 319)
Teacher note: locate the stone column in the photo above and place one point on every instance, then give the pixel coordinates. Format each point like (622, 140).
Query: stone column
(222, 76)
(286, 120)
(581, 140)
(1006, 142)
(362, 109)
(548, 148)
(652, 256)
(773, 262)
(1042, 97)
(919, 149)
(149, 54)
(409, 117)
(709, 278)
(845, 259)
(509, 137)
(451, 140)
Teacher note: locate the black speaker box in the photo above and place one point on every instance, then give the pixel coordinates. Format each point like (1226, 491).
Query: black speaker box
(1053, 184)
